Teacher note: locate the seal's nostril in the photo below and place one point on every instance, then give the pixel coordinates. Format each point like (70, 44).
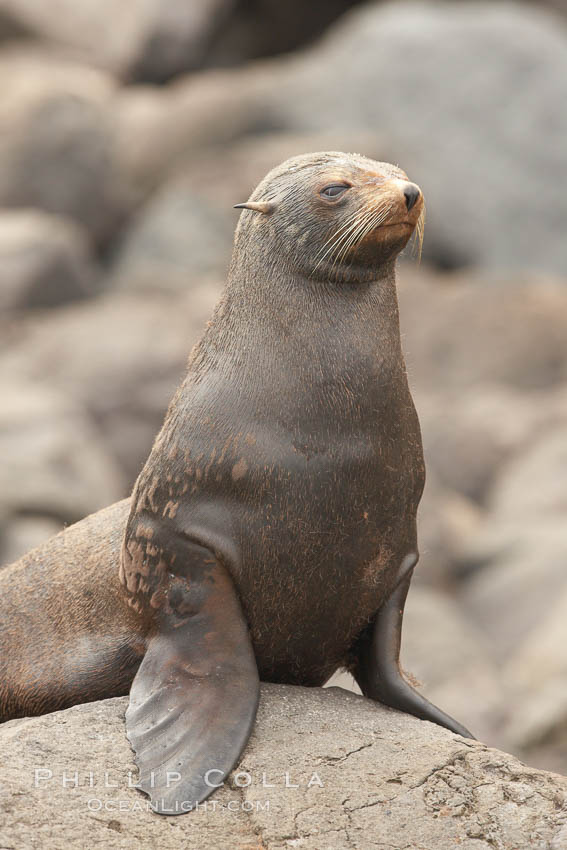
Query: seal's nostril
(411, 194)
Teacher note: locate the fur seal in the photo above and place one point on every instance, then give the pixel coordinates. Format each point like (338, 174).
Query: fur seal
(272, 531)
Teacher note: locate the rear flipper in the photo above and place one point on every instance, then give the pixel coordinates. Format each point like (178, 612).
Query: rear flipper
(194, 699)
(378, 664)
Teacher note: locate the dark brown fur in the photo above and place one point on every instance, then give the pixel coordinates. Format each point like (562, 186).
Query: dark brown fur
(64, 621)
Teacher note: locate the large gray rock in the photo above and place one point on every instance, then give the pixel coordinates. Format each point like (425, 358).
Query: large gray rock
(178, 36)
(53, 462)
(536, 676)
(359, 776)
(444, 519)
(151, 40)
(57, 142)
(156, 129)
(97, 31)
(516, 560)
(119, 358)
(464, 330)
(515, 571)
(470, 437)
(141, 39)
(533, 484)
(264, 28)
(176, 241)
(44, 261)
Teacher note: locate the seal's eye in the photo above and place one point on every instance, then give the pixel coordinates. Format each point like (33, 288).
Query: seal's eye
(334, 191)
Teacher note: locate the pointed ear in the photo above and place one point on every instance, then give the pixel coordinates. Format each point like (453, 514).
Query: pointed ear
(264, 207)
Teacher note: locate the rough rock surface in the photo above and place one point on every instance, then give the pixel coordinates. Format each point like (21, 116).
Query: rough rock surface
(359, 776)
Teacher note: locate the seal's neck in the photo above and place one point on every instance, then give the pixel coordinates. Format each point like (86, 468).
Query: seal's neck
(271, 320)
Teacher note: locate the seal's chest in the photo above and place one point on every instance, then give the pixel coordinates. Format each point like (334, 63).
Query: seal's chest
(306, 607)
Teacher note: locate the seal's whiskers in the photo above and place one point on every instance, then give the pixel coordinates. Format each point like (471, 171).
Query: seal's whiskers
(331, 241)
(353, 235)
(374, 218)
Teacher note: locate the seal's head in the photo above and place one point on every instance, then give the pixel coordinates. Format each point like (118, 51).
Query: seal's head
(332, 215)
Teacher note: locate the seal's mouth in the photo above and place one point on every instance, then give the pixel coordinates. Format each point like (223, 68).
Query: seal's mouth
(402, 225)
(401, 229)
(410, 225)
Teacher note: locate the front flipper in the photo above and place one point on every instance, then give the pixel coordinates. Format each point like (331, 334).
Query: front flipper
(378, 670)
(195, 696)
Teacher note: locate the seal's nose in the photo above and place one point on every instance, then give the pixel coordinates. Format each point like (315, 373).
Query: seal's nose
(411, 194)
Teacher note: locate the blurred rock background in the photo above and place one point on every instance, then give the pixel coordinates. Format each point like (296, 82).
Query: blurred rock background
(127, 132)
